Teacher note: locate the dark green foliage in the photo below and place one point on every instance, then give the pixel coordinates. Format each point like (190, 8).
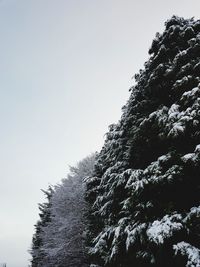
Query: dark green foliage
(145, 193)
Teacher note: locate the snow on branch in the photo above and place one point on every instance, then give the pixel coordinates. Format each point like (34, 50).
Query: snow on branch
(192, 253)
(165, 228)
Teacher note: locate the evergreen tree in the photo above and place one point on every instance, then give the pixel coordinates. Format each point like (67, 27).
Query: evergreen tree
(36, 251)
(60, 241)
(145, 191)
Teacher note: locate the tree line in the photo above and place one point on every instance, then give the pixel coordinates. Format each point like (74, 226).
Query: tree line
(137, 201)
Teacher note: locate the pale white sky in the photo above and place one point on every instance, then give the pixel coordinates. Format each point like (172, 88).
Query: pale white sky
(65, 71)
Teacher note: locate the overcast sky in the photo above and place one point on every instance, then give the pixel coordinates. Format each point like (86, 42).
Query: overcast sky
(65, 70)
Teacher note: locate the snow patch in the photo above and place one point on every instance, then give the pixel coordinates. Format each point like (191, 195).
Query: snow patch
(164, 229)
(192, 253)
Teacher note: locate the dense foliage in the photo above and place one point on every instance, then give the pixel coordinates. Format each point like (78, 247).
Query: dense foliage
(145, 193)
(60, 234)
(36, 251)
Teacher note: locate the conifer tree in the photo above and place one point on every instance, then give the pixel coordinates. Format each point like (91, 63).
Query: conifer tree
(36, 251)
(60, 237)
(145, 191)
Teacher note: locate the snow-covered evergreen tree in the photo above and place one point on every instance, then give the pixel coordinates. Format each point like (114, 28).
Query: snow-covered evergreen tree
(62, 239)
(145, 193)
(36, 251)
